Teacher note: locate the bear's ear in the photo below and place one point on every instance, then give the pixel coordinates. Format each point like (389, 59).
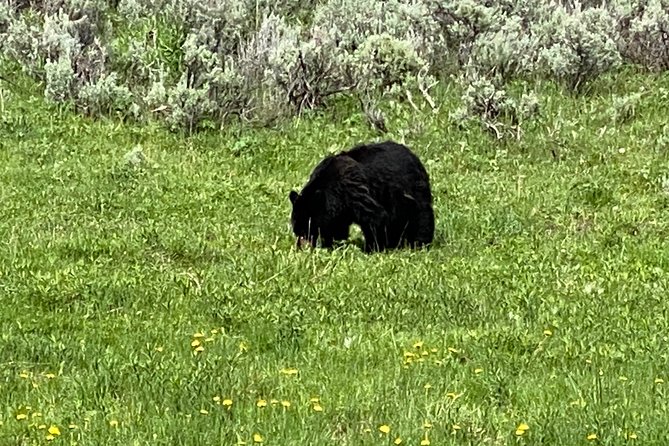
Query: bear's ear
(293, 196)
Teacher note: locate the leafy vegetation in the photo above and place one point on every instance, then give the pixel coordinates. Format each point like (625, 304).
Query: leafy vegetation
(152, 295)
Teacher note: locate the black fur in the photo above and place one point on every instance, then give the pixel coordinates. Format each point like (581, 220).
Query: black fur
(381, 187)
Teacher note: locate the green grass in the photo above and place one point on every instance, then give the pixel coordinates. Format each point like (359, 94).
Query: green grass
(547, 280)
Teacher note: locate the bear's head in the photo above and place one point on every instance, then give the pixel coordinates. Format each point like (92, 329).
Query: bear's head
(305, 219)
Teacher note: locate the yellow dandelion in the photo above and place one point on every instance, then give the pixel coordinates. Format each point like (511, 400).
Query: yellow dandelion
(398, 440)
(261, 403)
(285, 403)
(384, 428)
(318, 407)
(427, 425)
(199, 349)
(49, 375)
(274, 401)
(24, 375)
(204, 412)
(243, 347)
(53, 430)
(548, 332)
(631, 436)
(314, 399)
(217, 399)
(198, 335)
(418, 345)
(592, 436)
(113, 423)
(427, 386)
(159, 349)
(433, 350)
(209, 340)
(73, 426)
(35, 414)
(367, 430)
(288, 371)
(521, 429)
(213, 331)
(456, 427)
(257, 438)
(659, 381)
(425, 441)
(49, 437)
(195, 343)
(425, 353)
(478, 371)
(21, 416)
(41, 426)
(622, 378)
(227, 402)
(453, 350)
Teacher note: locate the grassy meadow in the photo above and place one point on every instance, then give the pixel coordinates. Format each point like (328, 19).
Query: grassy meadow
(152, 295)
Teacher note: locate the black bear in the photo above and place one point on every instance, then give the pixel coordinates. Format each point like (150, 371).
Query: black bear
(381, 187)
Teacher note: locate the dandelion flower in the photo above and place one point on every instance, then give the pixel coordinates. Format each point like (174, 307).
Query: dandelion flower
(213, 331)
(478, 371)
(24, 375)
(198, 335)
(453, 350)
(425, 353)
(21, 416)
(53, 430)
(49, 375)
(49, 437)
(425, 441)
(41, 426)
(274, 401)
(318, 407)
(209, 340)
(521, 429)
(592, 436)
(159, 349)
(261, 403)
(243, 346)
(314, 399)
(257, 438)
(113, 423)
(548, 332)
(73, 426)
(227, 402)
(199, 349)
(631, 436)
(398, 440)
(217, 399)
(427, 386)
(659, 381)
(456, 427)
(433, 350)
(384, 428)
(204, 412)
(288, 371)
(427, 425)
(195, 343)
(285, 404)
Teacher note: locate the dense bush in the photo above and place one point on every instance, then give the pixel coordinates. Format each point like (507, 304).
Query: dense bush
(195, 64)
